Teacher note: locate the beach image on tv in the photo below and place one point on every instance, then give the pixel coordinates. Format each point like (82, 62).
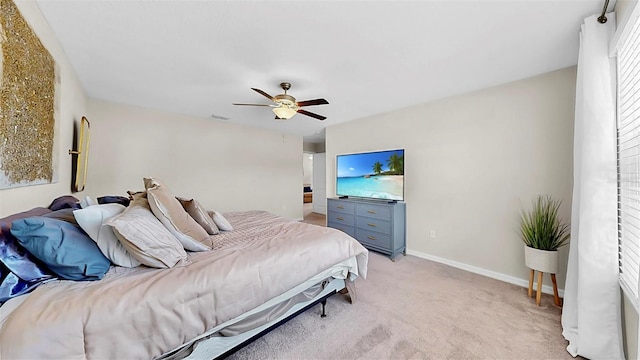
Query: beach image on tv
(377, 175)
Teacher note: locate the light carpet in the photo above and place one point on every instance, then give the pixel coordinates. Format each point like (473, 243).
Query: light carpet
(419, 309)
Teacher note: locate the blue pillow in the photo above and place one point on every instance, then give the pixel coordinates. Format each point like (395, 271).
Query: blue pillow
(64, 248)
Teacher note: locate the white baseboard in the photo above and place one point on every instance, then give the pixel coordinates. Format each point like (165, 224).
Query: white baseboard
(547, 289)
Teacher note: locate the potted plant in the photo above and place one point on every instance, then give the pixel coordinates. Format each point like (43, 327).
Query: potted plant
(543, 232)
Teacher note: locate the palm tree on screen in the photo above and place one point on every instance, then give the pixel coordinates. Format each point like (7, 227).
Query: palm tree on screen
(396, 164)
(377, 167)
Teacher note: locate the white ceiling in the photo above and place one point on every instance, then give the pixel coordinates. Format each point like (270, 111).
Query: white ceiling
(364, 57)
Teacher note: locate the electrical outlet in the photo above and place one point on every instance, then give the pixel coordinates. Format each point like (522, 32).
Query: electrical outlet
(432, 234)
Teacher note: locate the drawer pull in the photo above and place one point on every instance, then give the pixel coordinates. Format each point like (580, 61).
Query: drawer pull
(340, 207)
(371, 211)
(372, 225)
(340, 218)
(371, 237)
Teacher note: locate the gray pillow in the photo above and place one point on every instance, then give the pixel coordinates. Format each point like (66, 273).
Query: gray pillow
(199, 214)
(145, 238)
(221, 222)
(169, 211)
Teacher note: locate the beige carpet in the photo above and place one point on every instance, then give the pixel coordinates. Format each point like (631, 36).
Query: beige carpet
(311, 217)
(315, 218)
(418, 309)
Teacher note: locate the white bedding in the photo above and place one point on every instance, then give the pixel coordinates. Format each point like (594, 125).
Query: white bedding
(143, 313)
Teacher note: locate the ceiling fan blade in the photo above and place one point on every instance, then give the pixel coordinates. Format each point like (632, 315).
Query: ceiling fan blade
(263, 94)
(312, 102)
(308, 113)
(252, 104)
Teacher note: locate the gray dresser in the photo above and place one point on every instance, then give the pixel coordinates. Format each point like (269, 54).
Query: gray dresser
(377, 225)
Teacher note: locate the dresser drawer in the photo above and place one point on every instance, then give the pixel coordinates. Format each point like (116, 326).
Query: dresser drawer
(342, 206)
(341, 218)
(372, 238)
(377, 225)
(375, 211)
(349, 230)
(372, 224)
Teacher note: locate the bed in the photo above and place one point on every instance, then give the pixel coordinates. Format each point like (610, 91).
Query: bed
(264, 271)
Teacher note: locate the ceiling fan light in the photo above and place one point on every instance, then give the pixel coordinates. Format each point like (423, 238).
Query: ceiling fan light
(284, 112)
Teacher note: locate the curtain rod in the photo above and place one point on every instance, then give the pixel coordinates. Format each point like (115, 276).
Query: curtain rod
(603, 19)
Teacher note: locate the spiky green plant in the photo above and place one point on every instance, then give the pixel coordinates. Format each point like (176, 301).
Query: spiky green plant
(541, 228)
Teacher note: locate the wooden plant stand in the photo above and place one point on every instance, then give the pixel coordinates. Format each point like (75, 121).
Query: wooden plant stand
(556, 298)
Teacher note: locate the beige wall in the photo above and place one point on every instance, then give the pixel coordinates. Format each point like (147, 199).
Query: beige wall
(224, 166)
(472, 162)
(307, 168)
(71, 100)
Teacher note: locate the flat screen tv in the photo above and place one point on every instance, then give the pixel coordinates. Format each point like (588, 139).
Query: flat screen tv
(374, 175)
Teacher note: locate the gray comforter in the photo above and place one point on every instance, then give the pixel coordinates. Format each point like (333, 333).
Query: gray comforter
(141, 313)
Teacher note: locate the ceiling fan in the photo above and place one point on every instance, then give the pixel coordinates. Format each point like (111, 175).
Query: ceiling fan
(286, 105)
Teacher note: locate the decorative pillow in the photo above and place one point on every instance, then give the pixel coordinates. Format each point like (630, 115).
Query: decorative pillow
(12, 286)
(199, 214)
(63, 247)
(145, 238)
(92, 220)
(222, 223)
(114, 199)
(86, 202)
(137, 194)
(20, 271)
(15, 257)
(63, 202)
(19, 261)
(171, 214)
(151, 182)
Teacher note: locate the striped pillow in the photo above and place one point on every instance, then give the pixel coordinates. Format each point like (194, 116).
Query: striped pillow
(145, 238)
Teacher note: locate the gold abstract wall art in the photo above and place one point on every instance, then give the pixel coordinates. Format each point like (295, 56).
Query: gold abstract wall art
(27, 103)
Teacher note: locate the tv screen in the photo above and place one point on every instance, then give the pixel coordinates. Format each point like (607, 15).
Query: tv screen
(377, 175)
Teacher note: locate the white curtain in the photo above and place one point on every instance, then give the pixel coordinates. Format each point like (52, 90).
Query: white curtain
(591, 315)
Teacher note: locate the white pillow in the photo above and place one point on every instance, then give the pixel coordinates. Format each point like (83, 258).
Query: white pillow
(87, 201)
(221, 222)
(92, 220)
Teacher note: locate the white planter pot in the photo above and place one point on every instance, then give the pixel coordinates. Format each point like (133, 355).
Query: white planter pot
(541, 260)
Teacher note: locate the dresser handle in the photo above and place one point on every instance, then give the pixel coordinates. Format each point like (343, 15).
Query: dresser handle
(372, 225)
(371, 211)
(340, 218)
(340, 207)
(371, 237)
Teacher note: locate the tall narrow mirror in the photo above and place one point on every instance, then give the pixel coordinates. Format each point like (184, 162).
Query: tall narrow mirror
(80, 156)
